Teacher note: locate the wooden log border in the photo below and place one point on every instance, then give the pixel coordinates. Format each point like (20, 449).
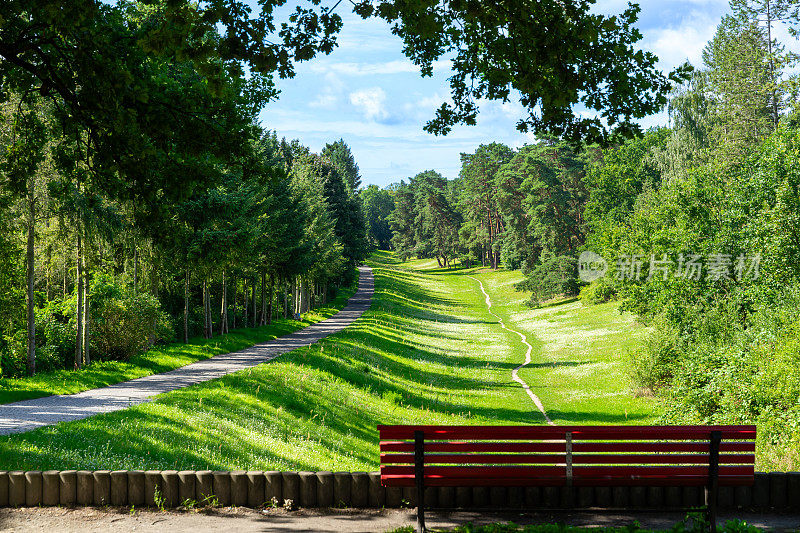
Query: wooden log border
(776, 491)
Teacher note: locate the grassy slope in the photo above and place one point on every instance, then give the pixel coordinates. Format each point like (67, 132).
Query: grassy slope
(426, 352)
(159, 359)
(579, 358)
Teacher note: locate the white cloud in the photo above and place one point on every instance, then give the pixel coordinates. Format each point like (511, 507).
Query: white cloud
(371, 102)
(329, 96)
(398, 66)
(675, 44)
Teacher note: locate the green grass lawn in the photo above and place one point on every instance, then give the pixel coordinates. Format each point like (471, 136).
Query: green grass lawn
(159, 359)
(427, 351)
(580, 355)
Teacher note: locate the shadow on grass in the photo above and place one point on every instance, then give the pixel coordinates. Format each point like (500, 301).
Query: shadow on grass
(313, 408)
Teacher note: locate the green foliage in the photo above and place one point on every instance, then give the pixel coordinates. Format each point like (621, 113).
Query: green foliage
(156, 360)
(55, 337)
(555, 276)
(122, 325)
(614, 182)
(378, 205)
(340, 156)
(425, 221)
(598, 292)
(564, 56)
(743, 84)
(478, 200)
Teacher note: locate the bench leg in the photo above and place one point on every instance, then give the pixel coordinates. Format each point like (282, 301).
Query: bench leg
(419, 478)
(712, 488)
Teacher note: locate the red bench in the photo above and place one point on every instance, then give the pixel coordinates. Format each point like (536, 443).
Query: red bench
(564, 456)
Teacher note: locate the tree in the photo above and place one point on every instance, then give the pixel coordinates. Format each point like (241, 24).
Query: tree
(340, 156)
(767, 12)
(378, 204)
(555, 195)
(326, 258)
(282, 220)
(614, 182)
(437, 222)
(741, 84)
(345, 210)
(556, 55)
(26, 147)
(483, 224)
(518, 248)
(402, 220)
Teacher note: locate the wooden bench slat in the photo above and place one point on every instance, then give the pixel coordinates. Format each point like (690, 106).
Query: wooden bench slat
(555, 432)
(577, 459)
(578, 471)
(691, 481)
(544, 447)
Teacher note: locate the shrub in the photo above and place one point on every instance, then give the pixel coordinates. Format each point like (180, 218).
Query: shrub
(555, 276)
(13, 356)
(598, 292)
(124, 326)
(55, 338)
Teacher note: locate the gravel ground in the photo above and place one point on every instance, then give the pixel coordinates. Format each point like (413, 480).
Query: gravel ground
(332, 520)
(31, 414)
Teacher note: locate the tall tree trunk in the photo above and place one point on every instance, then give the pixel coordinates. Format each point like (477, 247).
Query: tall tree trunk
(79, 309)
(255, 312)
(223, 310)
(270, 297)
(135, 268)
(325, 293)
(294, 296)
(286, 298)
(235, 294)
(303, 295)
(186, 308)
(206, 318)
(245, 300)
(263, 318)
(86, 357)
(30, 281)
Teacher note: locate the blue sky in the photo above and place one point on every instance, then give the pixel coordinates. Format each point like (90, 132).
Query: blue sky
(367, 93)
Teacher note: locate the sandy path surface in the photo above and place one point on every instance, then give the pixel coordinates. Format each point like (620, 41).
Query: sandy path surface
(31, 414)
(332, 520)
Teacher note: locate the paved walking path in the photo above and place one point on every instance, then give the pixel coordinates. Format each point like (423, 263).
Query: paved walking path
(119, 520)
(31, 414)
(515, 373)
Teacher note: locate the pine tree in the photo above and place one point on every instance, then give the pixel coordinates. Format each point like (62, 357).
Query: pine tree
(340, 156)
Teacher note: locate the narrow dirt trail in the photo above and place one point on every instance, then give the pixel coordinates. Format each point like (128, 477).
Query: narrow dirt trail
(515, 372)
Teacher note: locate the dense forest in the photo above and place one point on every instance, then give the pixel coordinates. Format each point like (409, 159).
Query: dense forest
(698, 223)
(150, 206)
(141, 200)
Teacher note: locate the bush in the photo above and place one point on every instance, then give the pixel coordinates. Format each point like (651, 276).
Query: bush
(555, 276)
(124, 326)
(55, 338)
(12, 355)
(598, 292)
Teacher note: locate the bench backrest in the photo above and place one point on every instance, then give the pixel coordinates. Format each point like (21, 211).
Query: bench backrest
(568, 455)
